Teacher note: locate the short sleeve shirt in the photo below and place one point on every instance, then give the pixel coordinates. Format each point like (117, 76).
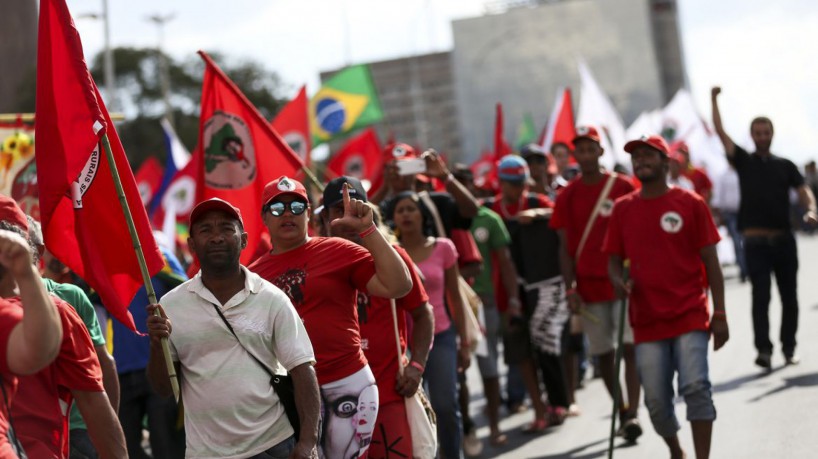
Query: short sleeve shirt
(662, 237)
(765, 185)
(40, 408)
(490, 234)
(10, 316)
(572, 212)
(378, 331)
(230, 406)
(443, 257)
(322, 278)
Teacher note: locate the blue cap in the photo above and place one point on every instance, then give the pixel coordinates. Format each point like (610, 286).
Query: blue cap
(512, 168)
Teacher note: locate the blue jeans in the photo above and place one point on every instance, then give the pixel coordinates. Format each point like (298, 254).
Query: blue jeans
(279, 451)
(657, 361)
(441, 386)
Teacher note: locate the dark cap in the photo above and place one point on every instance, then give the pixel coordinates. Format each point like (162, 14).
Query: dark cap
(531, 149)
(334, 191)
(214, 204)
(11, 212)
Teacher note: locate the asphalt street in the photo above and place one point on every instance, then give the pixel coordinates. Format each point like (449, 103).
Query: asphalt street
(760, 415)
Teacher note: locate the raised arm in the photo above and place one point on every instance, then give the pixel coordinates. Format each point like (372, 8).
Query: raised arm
(729, 146)
(467, 204)
(35, 341)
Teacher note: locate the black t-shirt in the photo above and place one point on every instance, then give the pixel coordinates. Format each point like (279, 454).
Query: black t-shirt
(765, 183)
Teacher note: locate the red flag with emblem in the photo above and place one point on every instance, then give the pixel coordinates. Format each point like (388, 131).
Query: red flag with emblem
(148, 178)
(293, 124)
(82, 225)
(239, 150)
(361, 157)
(484, 171)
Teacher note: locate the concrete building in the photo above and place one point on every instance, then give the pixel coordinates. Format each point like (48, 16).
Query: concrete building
(418, 101)
(18, 52)
(523, 52)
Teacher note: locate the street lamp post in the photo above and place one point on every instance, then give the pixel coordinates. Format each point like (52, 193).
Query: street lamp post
(107, 54)
(164, 75)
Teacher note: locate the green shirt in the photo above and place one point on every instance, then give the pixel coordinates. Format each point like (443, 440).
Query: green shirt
(490, 234)
(74, 296)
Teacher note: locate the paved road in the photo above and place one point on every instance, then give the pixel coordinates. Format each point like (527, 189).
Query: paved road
(760, 415)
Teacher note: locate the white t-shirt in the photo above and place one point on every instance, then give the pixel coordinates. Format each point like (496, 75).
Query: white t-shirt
(231, 410)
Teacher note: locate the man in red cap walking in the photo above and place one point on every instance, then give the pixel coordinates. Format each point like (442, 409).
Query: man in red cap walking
(668, 234)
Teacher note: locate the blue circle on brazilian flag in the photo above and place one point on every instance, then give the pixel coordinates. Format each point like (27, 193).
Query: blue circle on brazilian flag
(330, 114)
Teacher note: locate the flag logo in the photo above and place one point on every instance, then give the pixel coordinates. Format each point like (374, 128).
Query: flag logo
(354, 166)
(671, 222)
(606, 208)
(180, 195)
(297, 142)
(399, 151)
(229, 154)
(286, 184)
(85, 179)
(335, 112)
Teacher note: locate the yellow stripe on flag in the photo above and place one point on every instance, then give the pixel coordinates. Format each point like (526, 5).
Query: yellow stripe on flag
(333, 112)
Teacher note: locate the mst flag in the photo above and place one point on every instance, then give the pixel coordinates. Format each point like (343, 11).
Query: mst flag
(239, 151)
(361, 157)
(82, 225)
(561, 127)
(345, 102)
(293, 125)
(148, 178)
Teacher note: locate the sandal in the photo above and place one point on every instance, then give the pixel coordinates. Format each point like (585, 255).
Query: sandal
(538, 426)
(498, 439)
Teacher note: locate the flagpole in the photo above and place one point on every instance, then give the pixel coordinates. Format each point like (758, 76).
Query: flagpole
(617, 365)
(140, 256)
(311, 175)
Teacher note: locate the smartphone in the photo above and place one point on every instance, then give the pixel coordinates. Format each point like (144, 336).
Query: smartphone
(411, 166)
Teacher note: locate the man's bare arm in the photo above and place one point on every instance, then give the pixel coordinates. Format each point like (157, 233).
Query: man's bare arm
(729, 146)
(103, 426)
(308, 404)
(110, 378)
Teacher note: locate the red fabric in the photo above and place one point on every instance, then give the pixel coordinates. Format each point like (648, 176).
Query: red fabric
(571, 213)
(507, 211)
(82, 225)
(321, 278)
(701, 182)
(148, 178)
(501, 147)
(361, 157)
(378, 332)
(668, 297)
(563, 128)
(238, 176)
(484, 171)
(392, 436)
(293, 124)
(41, 407)
(467, 251)
(10, 316)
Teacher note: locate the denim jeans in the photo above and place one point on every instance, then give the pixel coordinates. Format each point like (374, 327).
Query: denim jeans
(279, 451)
(731, 222)
(657, 361)
(138, 400)
(779, 255)
(441, 386)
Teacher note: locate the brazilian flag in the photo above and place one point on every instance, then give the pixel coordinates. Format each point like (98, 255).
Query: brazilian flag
(345, 102)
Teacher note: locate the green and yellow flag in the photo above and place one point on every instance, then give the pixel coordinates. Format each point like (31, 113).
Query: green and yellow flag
(345, 102)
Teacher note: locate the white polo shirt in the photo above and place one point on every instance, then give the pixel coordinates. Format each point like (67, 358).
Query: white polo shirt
(231, 410)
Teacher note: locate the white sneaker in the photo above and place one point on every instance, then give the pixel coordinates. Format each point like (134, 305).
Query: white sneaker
(472, 445)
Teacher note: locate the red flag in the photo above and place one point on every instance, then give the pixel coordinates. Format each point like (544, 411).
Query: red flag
(148, 178)
(240, 152)
(180, 196)
(361, 157)
(484, 171)
(561, 127)
(293, 124)
(82, 225)
(501, 147)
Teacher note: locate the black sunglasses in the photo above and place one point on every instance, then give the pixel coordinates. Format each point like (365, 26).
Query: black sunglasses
(277, 208)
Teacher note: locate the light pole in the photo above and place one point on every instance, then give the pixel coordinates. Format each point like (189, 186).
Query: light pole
(107, 54)
(164, 76)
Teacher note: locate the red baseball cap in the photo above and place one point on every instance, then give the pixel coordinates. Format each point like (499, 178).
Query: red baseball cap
(677, 156)
(283, 185)
(11, 212)
(679, 146)
(399, 151)
(656, 142)
(587, 132)
(214, 204)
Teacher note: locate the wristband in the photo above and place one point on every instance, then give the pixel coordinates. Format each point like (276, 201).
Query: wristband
(368, 231)
(417, 365)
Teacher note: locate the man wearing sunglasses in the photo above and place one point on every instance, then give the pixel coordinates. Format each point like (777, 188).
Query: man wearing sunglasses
(322, 277)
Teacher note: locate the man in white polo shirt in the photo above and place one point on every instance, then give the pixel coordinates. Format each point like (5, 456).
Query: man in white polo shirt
(231, 410)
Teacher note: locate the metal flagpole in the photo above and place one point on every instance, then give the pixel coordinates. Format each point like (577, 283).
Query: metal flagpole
(140, 256)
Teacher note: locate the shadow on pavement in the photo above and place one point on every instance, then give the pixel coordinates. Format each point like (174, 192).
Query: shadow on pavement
(741, 380)
(580, 453)
(808, 380)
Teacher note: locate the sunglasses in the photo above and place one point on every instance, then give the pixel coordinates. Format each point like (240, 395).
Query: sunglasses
(277, 208)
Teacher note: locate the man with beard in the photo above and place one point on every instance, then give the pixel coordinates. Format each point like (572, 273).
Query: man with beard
(231, 409)
(668, 234)
(764, 220)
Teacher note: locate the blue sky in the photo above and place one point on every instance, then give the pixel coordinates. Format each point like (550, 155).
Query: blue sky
(762, 53)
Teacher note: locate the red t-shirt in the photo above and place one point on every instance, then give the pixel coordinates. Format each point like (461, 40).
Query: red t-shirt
(41, 407)
(507, 211)
(662, 238)
(701, 182)
(10, 316)
(571, 213)
(378, 331)
(322, 278)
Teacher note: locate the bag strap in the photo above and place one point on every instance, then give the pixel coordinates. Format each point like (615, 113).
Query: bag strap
(427, 201)
(224, 319)
(606, 190)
